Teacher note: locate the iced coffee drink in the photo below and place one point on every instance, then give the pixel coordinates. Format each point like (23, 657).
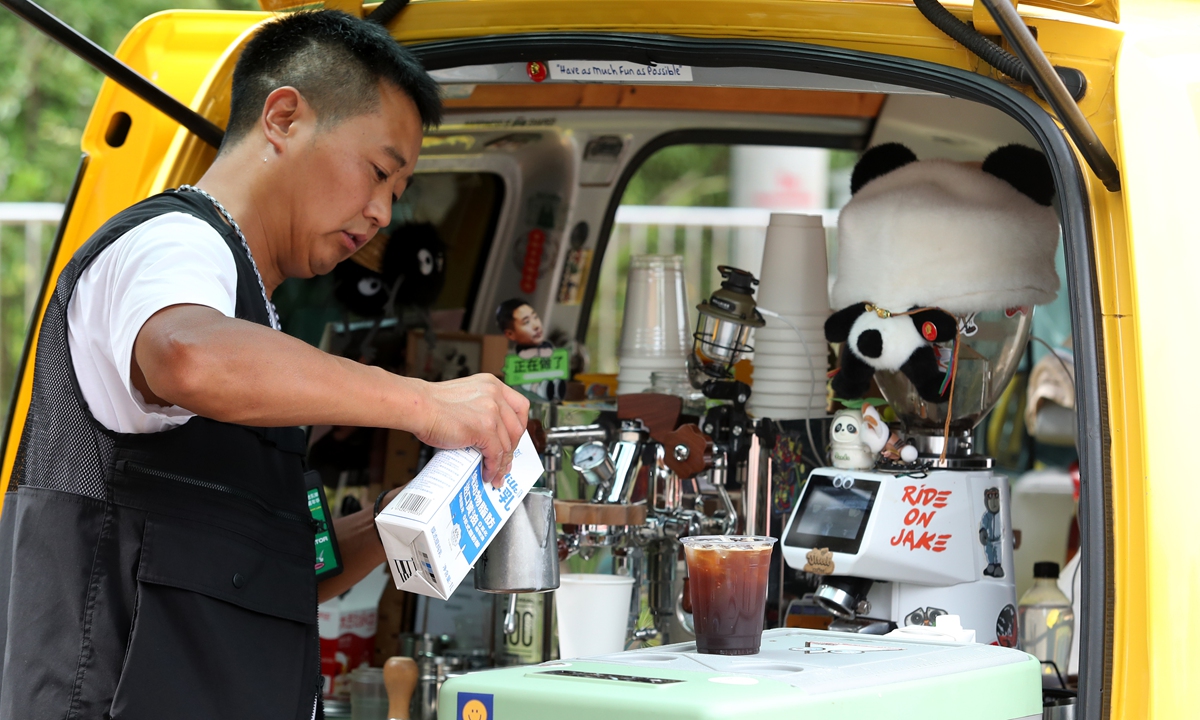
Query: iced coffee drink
(728, 582)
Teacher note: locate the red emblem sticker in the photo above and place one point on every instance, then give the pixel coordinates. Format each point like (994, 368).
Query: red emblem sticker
(533, 260)
(537, 71)
(1012, 311)
(929, 330)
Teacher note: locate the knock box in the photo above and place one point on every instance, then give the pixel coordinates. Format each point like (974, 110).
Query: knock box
(436, 528)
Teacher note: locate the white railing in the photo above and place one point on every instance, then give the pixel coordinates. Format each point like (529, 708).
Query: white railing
(706, 237)
(26, 233)
(36, 219)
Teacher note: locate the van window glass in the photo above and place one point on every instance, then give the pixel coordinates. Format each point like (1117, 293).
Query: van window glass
(710, 204)
(462, 209)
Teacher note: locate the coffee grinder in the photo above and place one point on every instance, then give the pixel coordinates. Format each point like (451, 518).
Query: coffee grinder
(932, 538)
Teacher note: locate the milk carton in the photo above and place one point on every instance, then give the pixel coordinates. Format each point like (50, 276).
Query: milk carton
(437, 527)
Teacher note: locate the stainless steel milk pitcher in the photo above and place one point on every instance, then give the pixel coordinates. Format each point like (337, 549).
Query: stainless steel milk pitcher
(523, 557)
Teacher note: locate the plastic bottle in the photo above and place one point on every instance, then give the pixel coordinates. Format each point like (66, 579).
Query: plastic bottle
(1046, 623)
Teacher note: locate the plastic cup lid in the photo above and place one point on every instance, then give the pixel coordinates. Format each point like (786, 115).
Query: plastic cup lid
(728, 542)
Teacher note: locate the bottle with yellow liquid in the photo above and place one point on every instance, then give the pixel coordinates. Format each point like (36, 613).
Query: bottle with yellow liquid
(1046, 622)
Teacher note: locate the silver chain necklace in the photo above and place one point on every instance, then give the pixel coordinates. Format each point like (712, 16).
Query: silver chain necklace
(274, 318)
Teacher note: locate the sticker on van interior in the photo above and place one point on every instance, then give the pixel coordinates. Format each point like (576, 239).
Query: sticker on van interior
(618, 71)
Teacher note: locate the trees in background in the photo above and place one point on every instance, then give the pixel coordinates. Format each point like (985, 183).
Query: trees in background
(46, 94)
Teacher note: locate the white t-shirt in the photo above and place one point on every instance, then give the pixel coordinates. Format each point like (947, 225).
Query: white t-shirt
(173, 259)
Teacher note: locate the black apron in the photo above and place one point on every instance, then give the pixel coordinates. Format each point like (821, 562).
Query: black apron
(154, 576)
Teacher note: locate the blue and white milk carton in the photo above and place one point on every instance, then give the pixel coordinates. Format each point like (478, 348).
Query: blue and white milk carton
(436, 528)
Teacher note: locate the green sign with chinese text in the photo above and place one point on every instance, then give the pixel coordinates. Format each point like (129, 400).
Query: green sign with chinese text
(526, 371)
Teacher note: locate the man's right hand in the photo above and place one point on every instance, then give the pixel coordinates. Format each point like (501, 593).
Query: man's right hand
(477, 411)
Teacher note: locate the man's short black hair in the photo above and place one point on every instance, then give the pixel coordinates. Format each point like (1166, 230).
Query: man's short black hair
(504, 313)
(335, 60)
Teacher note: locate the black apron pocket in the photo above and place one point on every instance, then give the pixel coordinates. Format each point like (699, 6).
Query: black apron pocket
(224, 627)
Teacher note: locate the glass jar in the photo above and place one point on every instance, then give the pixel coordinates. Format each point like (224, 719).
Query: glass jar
(677, 383)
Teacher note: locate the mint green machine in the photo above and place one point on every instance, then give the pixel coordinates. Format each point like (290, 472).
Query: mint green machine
(798, 674)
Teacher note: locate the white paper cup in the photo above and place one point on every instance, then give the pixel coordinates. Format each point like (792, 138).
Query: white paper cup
(804, 336)
(770, 361)
(793, 387)
(593, 614)
(795, 374)
(795, 274)
(790, 349)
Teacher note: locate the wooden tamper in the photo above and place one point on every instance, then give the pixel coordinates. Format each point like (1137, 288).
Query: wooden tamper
(400, 679)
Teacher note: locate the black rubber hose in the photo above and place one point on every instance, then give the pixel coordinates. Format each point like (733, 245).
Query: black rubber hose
(969, 37)
(387, 11)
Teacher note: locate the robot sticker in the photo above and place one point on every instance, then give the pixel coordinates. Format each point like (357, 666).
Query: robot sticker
(924, 616)
(991, 532)
(1006, 627)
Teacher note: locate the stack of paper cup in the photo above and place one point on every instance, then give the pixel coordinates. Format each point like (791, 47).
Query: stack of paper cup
(790, 351)
(655, 335)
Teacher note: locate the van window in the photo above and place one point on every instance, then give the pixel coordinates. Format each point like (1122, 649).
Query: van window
(710, 204)
(463, 209)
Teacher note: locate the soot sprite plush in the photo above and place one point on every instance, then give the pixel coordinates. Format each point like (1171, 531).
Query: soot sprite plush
(924, 243)
(407, 268)
(416, 258)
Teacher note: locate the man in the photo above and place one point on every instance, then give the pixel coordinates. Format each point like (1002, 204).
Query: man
(160, 544)
(521, 325)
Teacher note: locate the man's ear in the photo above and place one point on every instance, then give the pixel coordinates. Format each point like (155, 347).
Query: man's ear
(511, 334)
(282, 110)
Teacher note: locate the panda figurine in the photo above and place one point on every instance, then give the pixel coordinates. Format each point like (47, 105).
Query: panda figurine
(856, 437)
(923, 244)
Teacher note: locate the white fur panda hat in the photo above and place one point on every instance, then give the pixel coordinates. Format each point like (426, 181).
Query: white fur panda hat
(944, 234)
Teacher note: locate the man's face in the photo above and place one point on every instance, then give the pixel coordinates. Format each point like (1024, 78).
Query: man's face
(992, 499)
(342, 181)
(526, 328)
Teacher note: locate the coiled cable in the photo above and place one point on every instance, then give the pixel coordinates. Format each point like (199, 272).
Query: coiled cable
(990, 52)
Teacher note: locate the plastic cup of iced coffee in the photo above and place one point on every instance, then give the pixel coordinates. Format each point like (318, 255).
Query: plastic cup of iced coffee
(728, 582)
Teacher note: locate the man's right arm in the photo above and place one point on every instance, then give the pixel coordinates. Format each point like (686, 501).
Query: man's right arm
(240, 372)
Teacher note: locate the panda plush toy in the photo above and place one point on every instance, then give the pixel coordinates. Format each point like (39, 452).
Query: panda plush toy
(925, 244)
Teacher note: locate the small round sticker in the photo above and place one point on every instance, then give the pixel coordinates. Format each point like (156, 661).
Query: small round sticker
(929, 330)
(536, 70)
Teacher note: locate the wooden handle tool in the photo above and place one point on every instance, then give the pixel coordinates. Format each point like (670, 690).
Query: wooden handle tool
(400, 679)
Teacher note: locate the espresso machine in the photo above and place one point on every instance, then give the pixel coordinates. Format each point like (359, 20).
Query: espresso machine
(901, 547)
(652, 474)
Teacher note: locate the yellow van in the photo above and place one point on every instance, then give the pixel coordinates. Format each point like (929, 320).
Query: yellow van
(525, 133)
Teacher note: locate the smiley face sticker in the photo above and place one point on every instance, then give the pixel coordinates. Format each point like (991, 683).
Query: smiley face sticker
(474, 706)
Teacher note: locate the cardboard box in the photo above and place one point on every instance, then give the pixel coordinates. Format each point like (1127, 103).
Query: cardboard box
(436, 528)
(457, 354)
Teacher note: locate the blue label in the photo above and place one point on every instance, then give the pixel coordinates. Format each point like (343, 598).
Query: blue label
(474, 706)
(475, 516)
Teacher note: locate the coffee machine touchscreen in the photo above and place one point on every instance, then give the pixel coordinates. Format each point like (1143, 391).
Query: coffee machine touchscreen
(833, 513)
